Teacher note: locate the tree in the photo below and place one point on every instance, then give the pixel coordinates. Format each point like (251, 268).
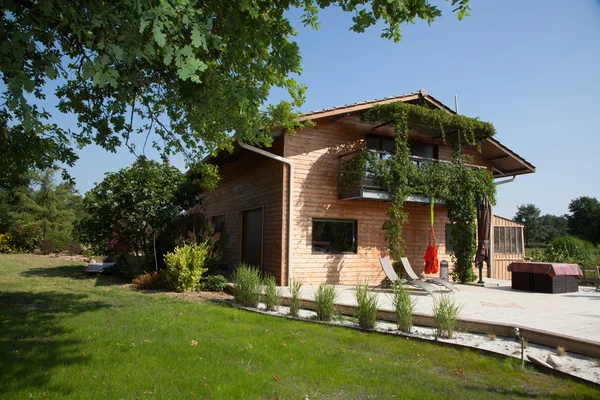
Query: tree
(584, 220)
(40, 211)
(554, 226)
(192, 72)
(529, 215)
(129, 208)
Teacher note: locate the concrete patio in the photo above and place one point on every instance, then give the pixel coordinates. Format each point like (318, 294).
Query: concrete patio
(569, 314)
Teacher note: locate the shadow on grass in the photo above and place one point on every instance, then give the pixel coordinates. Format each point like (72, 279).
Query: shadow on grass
(76, 272)
(32, 337)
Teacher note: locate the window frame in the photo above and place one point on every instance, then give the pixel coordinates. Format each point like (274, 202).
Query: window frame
(212, 221)
(354, 235)
(508, 240)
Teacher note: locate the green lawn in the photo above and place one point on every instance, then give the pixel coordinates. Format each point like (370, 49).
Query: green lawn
(66, 335)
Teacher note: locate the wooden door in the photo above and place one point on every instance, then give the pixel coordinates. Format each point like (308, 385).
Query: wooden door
(252, 226)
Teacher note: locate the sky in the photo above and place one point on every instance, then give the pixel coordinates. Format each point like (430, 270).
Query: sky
(532, 68)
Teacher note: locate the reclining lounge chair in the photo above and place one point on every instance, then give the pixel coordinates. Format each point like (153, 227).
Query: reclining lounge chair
(386, 265)
(414, 277)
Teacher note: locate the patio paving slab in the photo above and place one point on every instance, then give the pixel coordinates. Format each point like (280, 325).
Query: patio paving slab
(574, 314)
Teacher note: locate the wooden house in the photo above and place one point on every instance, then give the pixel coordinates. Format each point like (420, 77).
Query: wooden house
(283, 208)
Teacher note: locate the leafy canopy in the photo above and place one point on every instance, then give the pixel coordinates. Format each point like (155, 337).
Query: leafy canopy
(190, 72)
(128, 208)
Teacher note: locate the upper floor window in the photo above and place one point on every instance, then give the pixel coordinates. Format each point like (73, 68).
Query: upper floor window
(425, 150)
(381, 144)
(385, 145)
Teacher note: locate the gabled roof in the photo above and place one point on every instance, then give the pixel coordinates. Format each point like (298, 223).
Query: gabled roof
(365, 105)
(504, 161)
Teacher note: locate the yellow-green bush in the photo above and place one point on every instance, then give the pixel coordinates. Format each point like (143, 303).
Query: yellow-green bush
(185, 266)
(5, 244)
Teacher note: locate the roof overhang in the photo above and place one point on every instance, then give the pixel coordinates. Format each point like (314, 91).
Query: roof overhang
(504, 161)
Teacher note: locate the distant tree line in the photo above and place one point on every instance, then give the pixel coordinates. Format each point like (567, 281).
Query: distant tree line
(583, 222)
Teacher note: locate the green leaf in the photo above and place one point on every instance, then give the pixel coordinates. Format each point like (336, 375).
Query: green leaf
(159, 37)
(117, 51)
(198, 38)
(51, 71)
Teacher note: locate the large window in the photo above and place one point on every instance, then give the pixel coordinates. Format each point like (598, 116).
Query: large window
(334, 236)
(508, 240)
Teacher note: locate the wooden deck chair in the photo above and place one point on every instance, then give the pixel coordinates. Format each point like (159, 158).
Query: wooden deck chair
(414, 277)
(388, 269)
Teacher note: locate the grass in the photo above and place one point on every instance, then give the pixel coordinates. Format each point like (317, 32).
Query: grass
(404, 304)
(66, 335)
(445, 315)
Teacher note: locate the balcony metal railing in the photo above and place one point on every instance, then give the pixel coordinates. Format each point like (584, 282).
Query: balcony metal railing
(355, 181)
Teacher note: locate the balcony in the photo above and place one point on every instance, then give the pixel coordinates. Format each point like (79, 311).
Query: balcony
(355, 182)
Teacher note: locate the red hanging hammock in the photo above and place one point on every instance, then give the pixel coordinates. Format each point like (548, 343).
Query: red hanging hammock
(432, 264)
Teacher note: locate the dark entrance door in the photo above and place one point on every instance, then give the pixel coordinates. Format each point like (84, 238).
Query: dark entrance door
(252, 225)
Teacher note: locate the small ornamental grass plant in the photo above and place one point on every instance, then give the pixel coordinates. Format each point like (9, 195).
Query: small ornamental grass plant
(272, 294)
(404, 306)
(247, 285)
(325, 302)
(295, 300)
(185, 266)
(366, 309)
(445, 316)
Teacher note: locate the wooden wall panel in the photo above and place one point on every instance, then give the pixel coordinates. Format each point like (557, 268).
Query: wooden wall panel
(315, 152)
(251, 181)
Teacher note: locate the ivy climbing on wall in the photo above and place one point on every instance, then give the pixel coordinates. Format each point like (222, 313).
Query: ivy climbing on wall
(459, 184)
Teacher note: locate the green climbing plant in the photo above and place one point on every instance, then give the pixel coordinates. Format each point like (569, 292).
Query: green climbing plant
(456, 182)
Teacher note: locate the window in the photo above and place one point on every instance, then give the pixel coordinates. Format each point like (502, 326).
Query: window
(508, 240)
(334, 236)
(425, 150)
(380, 144)
(449, 248)
(218, 222)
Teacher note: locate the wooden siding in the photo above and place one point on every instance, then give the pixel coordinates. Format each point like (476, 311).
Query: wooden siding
(315, 152)
(251, 181)
(502, 260)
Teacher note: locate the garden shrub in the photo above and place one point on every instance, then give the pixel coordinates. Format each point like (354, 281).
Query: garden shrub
(272, 294)
(325, 302)
(185, 266)
(571, 250)
(366, 310)
(295, 300)
(404, 305)
(74, 248)
(214, 283)
(247, 285)
(445, 315)
(131, 266)
(150, 280)
(46, 246)
(5, 244)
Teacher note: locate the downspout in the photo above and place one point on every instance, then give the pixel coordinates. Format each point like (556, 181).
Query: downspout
(491, 266)
(290, 199)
